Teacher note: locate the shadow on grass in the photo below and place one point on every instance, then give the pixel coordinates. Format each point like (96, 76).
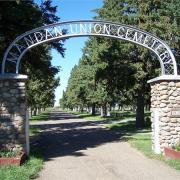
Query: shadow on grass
(114, 116)
(33, 131)
(70, 137)
(41, 116)
(35, 152)
(87, 116)
(128, 127)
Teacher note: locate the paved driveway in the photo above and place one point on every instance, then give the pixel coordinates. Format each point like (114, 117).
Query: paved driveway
(78, 149)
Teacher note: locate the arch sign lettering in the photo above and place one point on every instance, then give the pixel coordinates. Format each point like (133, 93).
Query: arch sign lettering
(62, 30)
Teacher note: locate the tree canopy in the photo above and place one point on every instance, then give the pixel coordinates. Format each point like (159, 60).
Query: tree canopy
(17, 17)
(116, 72)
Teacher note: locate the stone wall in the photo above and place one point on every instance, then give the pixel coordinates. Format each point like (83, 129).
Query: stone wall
(165, 116)
(165, 103)
(12, 112)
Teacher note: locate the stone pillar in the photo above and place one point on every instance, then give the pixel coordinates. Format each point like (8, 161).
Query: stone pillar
(165, 112)
(13, 115)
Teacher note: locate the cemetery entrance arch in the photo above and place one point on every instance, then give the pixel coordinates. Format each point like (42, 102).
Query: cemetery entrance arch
(165, 102)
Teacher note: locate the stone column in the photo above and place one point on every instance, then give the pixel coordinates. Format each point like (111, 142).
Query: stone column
(13, 115)
(165, 112)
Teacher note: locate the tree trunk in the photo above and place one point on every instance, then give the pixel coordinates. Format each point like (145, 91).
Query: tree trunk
(134, 107)
(29, 111)
(102, 113)
(119, 107)
(110, 108)
(81, 109)
(148, 107)
(140, 110)
(93, 111)
(35, 112)
(103, 110)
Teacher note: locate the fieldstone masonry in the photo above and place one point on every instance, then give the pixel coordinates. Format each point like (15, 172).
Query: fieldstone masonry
(165, 113)
(13, 112)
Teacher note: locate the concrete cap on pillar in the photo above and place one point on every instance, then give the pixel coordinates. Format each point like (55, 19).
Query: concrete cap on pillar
(13, 76)
(165, 78)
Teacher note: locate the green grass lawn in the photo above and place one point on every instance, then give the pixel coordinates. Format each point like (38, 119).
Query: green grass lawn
(41, 116)
(29, 170)
(86, 115)
(33, 131)
(121, 115)
(141, 140)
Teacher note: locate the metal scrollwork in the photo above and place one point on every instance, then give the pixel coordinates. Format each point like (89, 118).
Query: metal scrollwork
(62, 30)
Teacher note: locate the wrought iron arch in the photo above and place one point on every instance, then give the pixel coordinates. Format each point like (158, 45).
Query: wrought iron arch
(62, 30)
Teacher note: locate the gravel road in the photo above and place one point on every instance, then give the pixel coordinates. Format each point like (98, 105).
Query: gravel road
(79, 149)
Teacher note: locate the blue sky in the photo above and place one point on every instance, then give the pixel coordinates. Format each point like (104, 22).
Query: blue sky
(72, 10)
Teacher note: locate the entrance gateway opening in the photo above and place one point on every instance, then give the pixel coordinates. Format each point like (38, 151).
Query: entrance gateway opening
(165, 89)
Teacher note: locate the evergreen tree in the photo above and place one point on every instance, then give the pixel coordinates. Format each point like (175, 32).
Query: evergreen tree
(17, 17)
(152, 16)
(117, 71)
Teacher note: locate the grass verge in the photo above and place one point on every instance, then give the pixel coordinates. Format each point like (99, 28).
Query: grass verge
(33, 131)
(141, 140)
(115, 115)
(29, 170)
(41, 116)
